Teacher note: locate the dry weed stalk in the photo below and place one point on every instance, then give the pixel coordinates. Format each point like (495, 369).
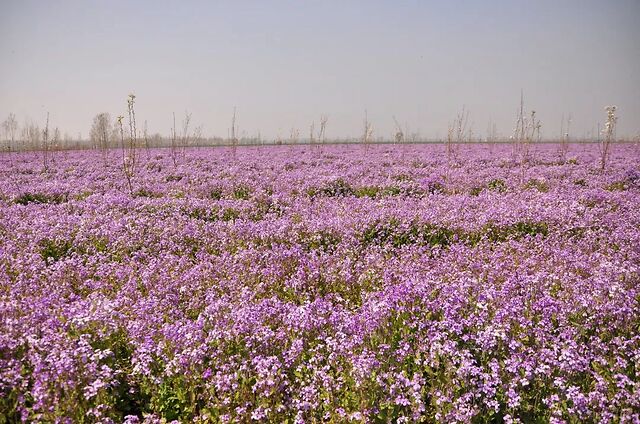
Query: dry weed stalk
(145, 136)
(196, 136)
(456, 134)
(398, 137)
(526, 131)
(129, 153)
(294, 136)
(174, 142)
(564, 139)
(609, 133)
(234, 139)
(55, 144)
(45, 145)
(367, 133)
(323, 129)
(492, 135)
(185, 139)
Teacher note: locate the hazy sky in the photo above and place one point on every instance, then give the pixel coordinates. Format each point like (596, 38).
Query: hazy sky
(284, 63)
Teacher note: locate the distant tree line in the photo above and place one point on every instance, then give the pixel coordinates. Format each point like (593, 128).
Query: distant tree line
(104, 136)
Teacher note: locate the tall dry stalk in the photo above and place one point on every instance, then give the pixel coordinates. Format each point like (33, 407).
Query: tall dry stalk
(145, 136)
(398, 137)
(45, 145)
(457, 132)
(564, 139)
(294, 136)
(527, 130)
(234, 139)
(185, 138)
(129, 150)
(133, 131)
(609, 133)
(323, 130)
(55, 144)
(367, 132)
(174, 142)
(492, 135)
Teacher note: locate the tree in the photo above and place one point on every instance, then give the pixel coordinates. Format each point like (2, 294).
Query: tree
(100, 133)
(10, 126)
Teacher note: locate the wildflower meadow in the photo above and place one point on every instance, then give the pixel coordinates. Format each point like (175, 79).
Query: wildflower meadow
(308, 284)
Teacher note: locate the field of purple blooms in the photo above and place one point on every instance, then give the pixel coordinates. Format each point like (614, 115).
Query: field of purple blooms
(334, 284)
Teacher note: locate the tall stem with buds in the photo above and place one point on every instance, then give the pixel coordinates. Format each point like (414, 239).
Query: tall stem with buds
(125, 157)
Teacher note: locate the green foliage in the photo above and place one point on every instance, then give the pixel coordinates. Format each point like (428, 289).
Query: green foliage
(174, 399)
(617, 186)
(367, 191)
(498, 185)
(397, 235)
(143, 192)
(215, 193)
(26, 198)
(83, 195)
(230, 214)
(171, 178)
(53, 250)
(203, 214)
(475, 191)
(9, 406)
(402, 178)
(392, 191)
(242, 192)
(324, 240)
(337, 188)
(536, 184)
(264, 206)
(435, 187)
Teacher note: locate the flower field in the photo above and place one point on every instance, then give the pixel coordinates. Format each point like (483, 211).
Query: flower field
(334, 284)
